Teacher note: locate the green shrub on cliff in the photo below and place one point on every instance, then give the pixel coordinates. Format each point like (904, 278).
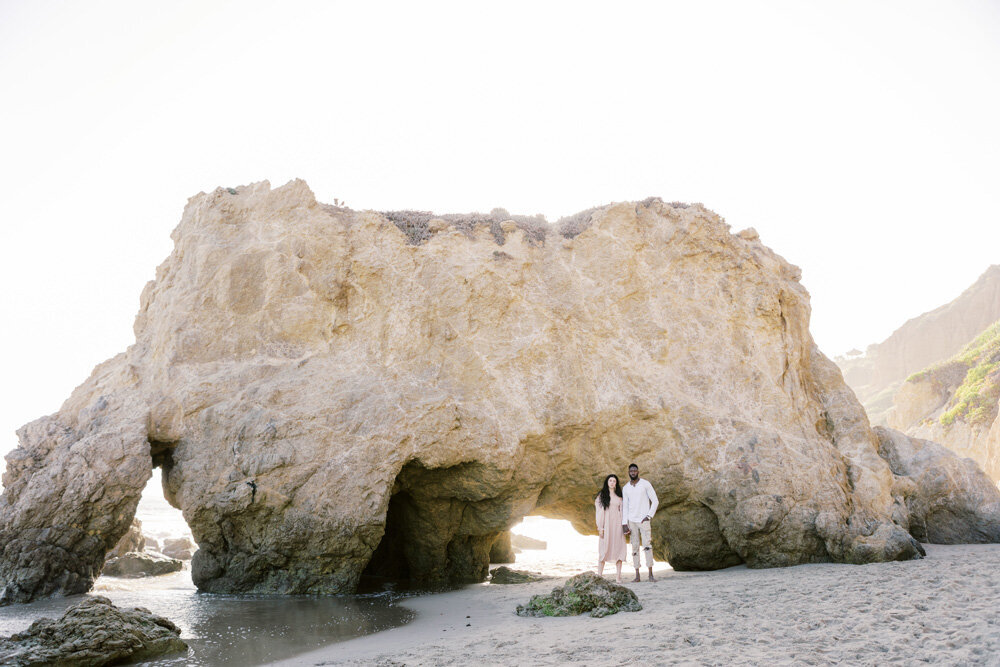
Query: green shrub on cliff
(975, 400)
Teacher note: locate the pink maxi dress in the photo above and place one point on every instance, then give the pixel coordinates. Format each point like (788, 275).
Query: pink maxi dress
(612, 547)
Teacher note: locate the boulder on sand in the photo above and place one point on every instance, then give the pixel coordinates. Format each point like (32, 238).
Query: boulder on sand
(950, 500)
(580, 594)
(93, 632)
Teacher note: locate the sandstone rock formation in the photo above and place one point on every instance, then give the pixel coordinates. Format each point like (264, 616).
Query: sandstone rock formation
(921, 342)
(136, 564)
(502, 551)
(957, 403)
(950, 499)
(132, 540)
(93, 632)
(332, 392)
(71, 488)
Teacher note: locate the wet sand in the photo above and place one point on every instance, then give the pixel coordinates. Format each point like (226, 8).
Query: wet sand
(942, 609)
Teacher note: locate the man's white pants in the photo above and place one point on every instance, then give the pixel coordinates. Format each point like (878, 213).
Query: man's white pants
(640, 539)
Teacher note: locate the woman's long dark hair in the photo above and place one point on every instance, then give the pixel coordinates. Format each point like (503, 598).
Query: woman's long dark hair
(605, 493)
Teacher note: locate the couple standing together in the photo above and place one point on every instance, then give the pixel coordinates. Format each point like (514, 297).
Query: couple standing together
(625, 511)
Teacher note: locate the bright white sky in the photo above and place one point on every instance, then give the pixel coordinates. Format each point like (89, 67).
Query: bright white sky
(860, 138)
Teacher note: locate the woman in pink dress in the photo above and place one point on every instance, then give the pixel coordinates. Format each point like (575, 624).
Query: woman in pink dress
(611, 548)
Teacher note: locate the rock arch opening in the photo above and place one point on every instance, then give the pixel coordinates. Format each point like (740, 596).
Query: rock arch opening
(442, 524)
(158, 526)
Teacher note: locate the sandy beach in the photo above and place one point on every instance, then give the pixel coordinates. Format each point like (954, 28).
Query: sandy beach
(944, 609)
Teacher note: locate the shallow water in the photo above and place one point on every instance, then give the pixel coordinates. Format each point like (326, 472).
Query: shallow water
(232, 629)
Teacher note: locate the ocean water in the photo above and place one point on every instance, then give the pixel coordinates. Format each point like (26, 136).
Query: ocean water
(567, 552)
(254, 629)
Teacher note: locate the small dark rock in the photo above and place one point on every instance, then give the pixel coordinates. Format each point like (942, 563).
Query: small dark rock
(505, 575)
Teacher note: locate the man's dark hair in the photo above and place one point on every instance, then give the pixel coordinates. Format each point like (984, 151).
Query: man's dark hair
(632, 465)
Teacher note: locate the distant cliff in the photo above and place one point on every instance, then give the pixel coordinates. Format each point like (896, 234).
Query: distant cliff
(920, 343)
(955, 402)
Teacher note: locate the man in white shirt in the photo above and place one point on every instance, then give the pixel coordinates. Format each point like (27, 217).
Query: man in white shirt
(638, 506)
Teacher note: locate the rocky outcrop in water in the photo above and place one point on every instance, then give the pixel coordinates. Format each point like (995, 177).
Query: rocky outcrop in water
(332, 392)
(146, 564)
(91, 633)
(181, 548)
(525, 542)
(921, 342)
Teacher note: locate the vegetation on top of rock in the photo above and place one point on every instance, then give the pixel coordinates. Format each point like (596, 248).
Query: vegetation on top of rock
(417, 224)
(580, 594)
(976, 371)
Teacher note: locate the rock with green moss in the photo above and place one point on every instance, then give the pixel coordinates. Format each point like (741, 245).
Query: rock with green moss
(505, 575)
(583, 593)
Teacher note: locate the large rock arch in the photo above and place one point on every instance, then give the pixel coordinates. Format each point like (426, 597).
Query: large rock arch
(303, 371)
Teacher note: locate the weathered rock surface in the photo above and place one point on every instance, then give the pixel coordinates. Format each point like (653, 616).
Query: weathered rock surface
(132, 540)
(957, 403)
(525, 542)
(72, 486)
(950, 499)
(332, 392)
(181, 548)
(502, 551)
(505, 575)
(145, 564)
(586, 592)
(152, 544)
(920, 342)
(93, 632)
